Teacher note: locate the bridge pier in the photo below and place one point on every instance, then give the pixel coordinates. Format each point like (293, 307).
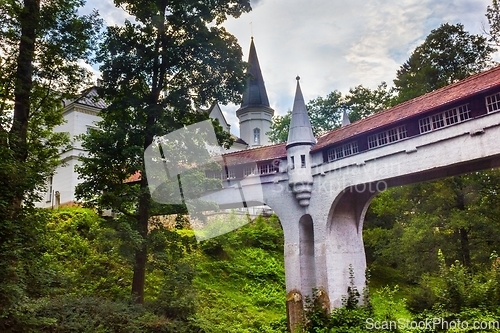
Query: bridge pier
(322, 242)
(345, 251)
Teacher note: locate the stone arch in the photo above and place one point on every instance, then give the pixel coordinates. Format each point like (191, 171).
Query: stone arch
(306, 253)
(345, 248)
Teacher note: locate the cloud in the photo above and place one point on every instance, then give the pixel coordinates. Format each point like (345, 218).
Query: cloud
(111, 14)
(333, 44)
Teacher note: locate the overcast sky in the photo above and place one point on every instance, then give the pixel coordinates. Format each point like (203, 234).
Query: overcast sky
(333, 44)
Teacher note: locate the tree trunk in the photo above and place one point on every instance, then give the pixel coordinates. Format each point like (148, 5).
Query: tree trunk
(29, 19)
(464, 246)
(141, 254)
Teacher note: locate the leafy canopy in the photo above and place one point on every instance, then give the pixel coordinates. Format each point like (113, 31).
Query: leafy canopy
(448, 54)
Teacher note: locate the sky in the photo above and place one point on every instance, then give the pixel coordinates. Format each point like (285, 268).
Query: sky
(332, 44)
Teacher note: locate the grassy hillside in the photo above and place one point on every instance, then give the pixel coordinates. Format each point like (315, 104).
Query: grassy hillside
(240, 280)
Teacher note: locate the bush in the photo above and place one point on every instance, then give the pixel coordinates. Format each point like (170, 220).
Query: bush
(68, 314)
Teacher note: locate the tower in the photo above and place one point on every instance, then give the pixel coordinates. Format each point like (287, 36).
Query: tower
(255, 115)
(298, 147)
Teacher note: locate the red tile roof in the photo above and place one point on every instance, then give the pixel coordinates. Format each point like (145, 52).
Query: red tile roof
(258, 154)
(428, 102)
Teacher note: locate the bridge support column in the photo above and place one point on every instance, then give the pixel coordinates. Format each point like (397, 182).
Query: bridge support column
(299, 267)
(298, 230)
(322, 242)
(345, 252)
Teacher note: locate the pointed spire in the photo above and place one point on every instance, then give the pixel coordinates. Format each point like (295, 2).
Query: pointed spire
(255, 93)
(345, 119)
(300, 131)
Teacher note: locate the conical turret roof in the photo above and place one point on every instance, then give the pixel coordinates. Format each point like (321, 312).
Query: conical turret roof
(300, 131)
(345, 119)
(255, 93)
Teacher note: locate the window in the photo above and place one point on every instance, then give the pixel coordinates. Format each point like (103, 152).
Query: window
(342, 151)
(302, 161)
(251, 170)
(386, 137)
(231, 174)
(292, 160)
(266, 169)
(48, 195)
(425, 125)
(256, 136)
(392, 135)
(339, 152)
(464, 112)
(446, 118)
(493, 102)
(382, 138)
(372, 141)
(437, 121)
(451, 116)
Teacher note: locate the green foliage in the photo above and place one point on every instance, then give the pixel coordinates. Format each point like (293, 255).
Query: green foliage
(67, 314)
(345, 319)
(79, 279)
(41, 43)
(240, 280)
(362, 102)
(21, 267)
(279, 128)
(456, 289)
(406, 226)
(493, 17)
(157, 71)
(83, 256)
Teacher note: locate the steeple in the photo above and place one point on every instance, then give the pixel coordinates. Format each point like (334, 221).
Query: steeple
(300, 131)
(298, 150)
(255, 114)
(345, 119)
(255, 93)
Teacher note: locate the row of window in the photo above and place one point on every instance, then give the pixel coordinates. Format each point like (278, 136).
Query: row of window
(345, 150)
(222, 175)
(386, 137)
(263, 169)
(427, 124)
(446, 118)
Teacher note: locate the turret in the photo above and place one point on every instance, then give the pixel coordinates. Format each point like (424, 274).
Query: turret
(345, 119)
(255, 114)
(298, 148)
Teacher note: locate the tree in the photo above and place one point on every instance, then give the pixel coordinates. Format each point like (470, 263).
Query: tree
(41, 44)
(493, 17)
(156, 72)
(448, 54)
(279, 128)
(363, 102)
(447, 214)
